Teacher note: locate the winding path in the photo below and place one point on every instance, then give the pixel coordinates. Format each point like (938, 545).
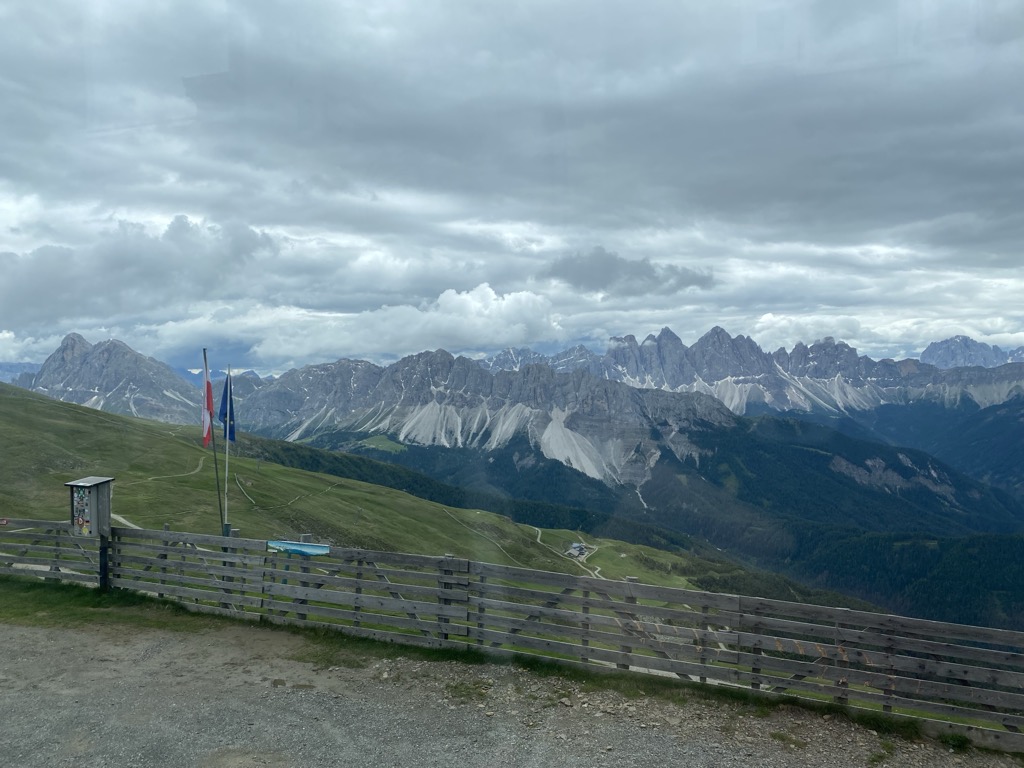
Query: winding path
(168, 477)
(596, 572)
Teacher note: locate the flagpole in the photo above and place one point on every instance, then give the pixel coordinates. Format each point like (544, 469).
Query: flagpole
(227, 442)
(213, 437)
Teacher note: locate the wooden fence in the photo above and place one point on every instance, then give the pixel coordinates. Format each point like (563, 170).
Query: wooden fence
(954, 677)
(49, 550)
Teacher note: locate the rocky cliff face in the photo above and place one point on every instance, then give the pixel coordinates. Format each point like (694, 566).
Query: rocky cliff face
(827, 376)
(610, 417)
(964, 352)
(111, 376)
(605, 429)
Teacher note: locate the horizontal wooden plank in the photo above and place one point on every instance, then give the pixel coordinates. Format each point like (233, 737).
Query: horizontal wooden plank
(882, 680)
(207, 540)
(621, 589)
(850, 639)
(596, 654)
(1004, 741)
(171, 577)
(41, 537)
(871, 699)
(884, 623)
(70, 576)
(174, 590)
(337, 597)
(313, 579)
(624, 627)
(47, 551)
(44, 562)
(156, 565)
(434, 562)
(639, 643)
(31, 522)
(143, 549)
(372, 634)
(574, 604)
(412, 622)
(895, 662)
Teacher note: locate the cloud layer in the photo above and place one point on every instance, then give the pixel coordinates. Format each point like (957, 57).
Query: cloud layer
(294, 183)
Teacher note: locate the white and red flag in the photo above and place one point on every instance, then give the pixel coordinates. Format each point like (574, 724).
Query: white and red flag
(207, 404)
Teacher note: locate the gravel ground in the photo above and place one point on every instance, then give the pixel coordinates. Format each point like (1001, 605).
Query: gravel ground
(235, 697)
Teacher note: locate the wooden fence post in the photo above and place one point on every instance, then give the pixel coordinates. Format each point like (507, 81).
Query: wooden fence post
(631, 599)
(104, 562)
(585, 626)
(480, 611)
(357, 609)
(305, 538)
(444, 583)
(163, 556)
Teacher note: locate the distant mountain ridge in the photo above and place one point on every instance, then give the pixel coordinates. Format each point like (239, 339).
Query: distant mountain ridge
(827, 376)
(965, 352)
(9, 372)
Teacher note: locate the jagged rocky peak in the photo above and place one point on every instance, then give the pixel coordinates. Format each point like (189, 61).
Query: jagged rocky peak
(624, 354)
(827, 358)
(716, 355)
(512, 359)
(111, 376)
(964, 352)
(72, 346)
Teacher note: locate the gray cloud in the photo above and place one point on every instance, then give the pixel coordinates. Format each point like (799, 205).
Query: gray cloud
(857, 164)
(600, 271)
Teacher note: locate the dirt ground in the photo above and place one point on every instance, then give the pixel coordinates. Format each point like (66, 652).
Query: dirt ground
(235, 696)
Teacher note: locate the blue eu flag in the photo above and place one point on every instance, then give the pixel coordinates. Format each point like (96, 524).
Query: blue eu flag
(227, 411)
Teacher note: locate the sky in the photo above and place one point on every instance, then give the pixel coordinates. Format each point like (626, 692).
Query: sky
(288, 183)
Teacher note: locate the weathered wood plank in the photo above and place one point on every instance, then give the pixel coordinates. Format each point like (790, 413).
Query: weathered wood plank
(642, 644)
(433, 562)
(366, 569)
(47, 550)
(253, 546)
(884, 623)
(78, 578)
(39, 537)
(897, 662)
(379, 619)
(157, 564)
(171, 576)
(49, 562)
(31, 522)
(882, 680)
(372, 634)
(364, 601)
(524, 596)
(186, 592)
(372, 584)
(142, 550)
(849, 638)
(863, 698)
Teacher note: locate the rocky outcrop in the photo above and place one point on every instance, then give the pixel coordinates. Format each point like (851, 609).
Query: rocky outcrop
(110, 376)
(605, 429)
(965, 352)
(827, 376)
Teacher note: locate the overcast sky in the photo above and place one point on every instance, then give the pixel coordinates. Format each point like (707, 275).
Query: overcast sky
(298, 182)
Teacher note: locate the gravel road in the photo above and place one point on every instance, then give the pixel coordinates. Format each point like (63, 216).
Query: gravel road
(234, 697)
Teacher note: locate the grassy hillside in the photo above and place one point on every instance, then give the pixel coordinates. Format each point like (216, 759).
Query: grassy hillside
(163, 475)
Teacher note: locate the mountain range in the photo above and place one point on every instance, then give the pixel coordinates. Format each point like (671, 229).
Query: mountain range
(696, 440)
(609, 417)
